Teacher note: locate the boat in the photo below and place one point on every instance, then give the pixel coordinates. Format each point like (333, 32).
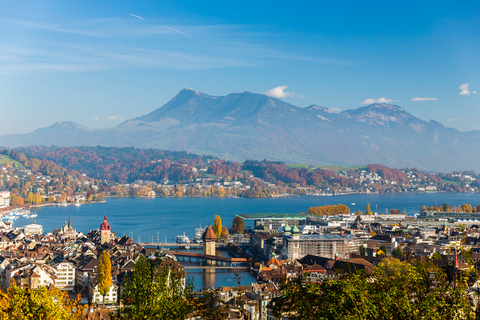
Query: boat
(33, 215)
(182, 239)
(199, 234)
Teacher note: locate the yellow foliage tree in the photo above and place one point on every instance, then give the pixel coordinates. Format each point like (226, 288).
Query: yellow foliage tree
(217, 226)
(368, 210)
(43, 303)
(104, 276)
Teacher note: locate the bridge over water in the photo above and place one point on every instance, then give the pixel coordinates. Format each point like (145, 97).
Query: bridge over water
(211, 259)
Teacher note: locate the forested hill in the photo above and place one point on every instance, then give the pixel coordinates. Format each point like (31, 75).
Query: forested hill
(126, 165)
(123, 164)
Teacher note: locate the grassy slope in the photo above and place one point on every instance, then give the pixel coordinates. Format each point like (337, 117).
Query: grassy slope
(6, 160)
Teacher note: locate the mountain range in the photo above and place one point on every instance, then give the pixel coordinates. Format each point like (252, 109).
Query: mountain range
(247, 125)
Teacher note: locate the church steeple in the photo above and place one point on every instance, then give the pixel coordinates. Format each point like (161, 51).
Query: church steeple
(70, 222)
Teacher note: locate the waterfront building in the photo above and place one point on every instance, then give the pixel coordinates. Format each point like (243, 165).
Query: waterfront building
(297, 245)
(32, 229)
(105, 231)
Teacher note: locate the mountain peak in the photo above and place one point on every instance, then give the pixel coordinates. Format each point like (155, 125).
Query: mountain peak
(381, 114)
(67, 125)
(318, 108)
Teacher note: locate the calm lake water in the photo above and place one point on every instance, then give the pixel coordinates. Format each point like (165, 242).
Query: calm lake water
(164, 218)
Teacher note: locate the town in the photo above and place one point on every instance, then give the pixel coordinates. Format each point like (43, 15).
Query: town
(279, 248)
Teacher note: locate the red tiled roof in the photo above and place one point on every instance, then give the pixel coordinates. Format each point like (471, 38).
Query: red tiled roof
(210, 235)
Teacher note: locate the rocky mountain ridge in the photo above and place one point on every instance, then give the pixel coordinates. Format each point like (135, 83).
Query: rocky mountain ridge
(246, 125)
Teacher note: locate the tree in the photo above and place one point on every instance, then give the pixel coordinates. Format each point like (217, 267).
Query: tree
(104, 276)
(42, 303)
(396, 290)
(238, 225)
(217, 226)
(397, 251)
(361, 250)
(384, 249)
(156, 290)
(225, 235)
(367, 209)
(395, 211)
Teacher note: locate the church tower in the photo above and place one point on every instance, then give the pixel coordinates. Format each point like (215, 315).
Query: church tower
(105, 230)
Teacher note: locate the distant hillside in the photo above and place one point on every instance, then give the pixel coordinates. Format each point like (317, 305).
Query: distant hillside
(246, 125)
(123, 164)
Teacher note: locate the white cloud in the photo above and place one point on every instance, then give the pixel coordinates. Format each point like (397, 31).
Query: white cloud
(300, 96)
(96, 118)
(465, 89)
(135, 16)
(424, 99)
(335, 109)
(379, 100)
(279, 92)
(450, 119)
(114, 118)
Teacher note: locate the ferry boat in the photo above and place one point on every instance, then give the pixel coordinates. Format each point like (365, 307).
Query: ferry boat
(198, 234)
(182, 239)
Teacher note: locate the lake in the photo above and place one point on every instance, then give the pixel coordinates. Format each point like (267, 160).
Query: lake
(146, 220)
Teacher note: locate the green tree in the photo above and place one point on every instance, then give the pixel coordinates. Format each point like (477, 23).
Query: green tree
(361, 250)
(217, 226)
(384, 249)
(396, 290)
(104, 274)
(238, 225)
(437, 256)
(156, 290)
(368, 210)
(42, 303)
(397, 251)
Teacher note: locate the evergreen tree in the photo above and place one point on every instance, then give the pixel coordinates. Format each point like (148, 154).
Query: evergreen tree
(217, 226)
(104, 274)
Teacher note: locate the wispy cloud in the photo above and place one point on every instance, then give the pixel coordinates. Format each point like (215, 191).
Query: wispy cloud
(114, 118)
(148, 47)
(424, 99)
(465, 89)
(335, 109)
(135, 16)
(450, 119)
(379, 100)
(279, 92)
(177, 31)
(96, 118)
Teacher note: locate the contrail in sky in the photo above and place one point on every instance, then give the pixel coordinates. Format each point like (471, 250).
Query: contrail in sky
(135, 16)
(178, 31)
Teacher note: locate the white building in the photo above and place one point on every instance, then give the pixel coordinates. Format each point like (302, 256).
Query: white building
(96, 297)
(4, 199)
(33, 228)
(65, 273)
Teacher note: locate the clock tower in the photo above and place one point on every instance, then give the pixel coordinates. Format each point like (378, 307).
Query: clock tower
(105, 230)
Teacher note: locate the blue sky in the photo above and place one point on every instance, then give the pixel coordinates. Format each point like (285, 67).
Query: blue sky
(102, 62)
